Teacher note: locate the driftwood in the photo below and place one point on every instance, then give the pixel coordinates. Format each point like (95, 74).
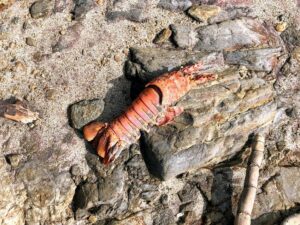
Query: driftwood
(250, 185)
(17, 111)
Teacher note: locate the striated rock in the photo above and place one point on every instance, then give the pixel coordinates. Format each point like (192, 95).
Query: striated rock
(230, 14)
(236, 34)
(163, 36)
(148, 63)
(184, 37)
(85, 111)
(202, 13)
(41, 8)
(170, 152)
(69, 38)
(257, 60)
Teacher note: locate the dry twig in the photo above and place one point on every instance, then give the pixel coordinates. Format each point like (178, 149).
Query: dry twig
(250, 185)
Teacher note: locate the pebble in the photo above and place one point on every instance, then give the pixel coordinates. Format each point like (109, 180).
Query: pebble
(117, 58)
(93, 219)
(163, 36)
(13, 159)
(40, 9)
(296, 54)
(30, 41)
(280, 27)
(203, 12)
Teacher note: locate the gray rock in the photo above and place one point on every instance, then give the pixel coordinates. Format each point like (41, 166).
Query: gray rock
(112, 186)
(289, 179)
(148, 63)
(184, 36)
(41, 8)
(86, 196)
(166, 160)
(230, 14)
(236, 34)
(69, 38)
(174, 5)
(193, 203)
(257, 59)
(82, 7)
(125, 10)
(165, 217)
(85, 111)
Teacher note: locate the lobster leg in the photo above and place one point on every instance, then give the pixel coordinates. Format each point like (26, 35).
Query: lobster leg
(169, 115)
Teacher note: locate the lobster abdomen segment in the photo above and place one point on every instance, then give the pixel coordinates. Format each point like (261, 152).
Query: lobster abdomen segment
(142, 112)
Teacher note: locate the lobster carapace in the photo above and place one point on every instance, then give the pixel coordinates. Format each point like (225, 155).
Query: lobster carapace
(155, 105)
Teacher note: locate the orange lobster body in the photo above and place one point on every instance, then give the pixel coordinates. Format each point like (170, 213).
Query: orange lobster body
(153, 106)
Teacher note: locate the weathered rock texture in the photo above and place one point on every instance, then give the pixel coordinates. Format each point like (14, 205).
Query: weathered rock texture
(57, 53)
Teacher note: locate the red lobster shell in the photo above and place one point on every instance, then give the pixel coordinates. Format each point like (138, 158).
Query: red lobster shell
(153, 106)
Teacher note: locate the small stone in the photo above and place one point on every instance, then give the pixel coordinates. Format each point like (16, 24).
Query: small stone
(19, 66)
(85, 111)
(50, 94)
(280, 27)
(40, 9)
(162, 36)
(203, 12)
(296, 54)
(93, 219)
(30, 41)
(13, 159)
(117, 58)
(184, 36)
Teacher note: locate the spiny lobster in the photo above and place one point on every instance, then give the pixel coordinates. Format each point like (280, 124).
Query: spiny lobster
(155, 105)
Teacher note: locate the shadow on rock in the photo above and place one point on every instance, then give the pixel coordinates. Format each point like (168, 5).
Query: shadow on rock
(219, 198)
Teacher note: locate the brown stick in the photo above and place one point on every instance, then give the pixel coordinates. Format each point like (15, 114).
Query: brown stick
(250, 185)
(17, 111)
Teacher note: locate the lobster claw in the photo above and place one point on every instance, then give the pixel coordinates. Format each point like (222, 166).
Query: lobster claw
(94, 133)
(103, 140)
(91, 130)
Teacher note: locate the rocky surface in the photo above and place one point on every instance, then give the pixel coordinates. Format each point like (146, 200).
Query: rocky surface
(61, 54)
